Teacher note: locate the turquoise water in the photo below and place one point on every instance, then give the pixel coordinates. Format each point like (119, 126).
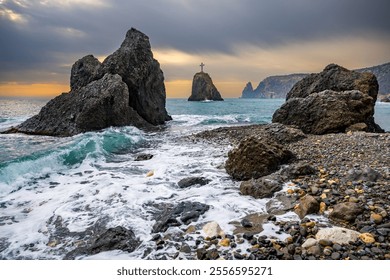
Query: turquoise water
(93, 176)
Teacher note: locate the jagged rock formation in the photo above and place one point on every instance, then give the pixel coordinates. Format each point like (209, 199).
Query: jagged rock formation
(331, 101)
(126, 89)
(247, 92)
(204, 89)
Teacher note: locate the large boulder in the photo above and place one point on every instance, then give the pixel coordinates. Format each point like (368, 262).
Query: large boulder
(255, 158)
(126, 89)
(331, 101)
(204, 89)
(98, 105)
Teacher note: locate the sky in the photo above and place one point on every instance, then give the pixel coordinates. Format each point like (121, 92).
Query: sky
(238, 40)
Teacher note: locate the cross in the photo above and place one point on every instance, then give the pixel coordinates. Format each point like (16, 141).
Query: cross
(201, 66)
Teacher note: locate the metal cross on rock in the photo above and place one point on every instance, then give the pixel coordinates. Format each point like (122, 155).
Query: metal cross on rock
(201, 66)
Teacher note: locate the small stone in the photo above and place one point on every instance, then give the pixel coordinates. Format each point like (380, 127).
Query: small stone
(314, 250)
(376, 218)
(323, 196)
(290, 191)
(53, 243)
(310, 224)
(212, 229)
(325, 242)
(367, 238)
(225, 242)
(190, 229)
(353, 199)
(314, 190)
(185, 249)
(335, 256)
(309, 243)
(322, 207)
(246, 223)
(328, 251)
(150, 173)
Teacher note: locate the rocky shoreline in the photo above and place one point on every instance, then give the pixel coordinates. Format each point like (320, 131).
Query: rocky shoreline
(350, 184)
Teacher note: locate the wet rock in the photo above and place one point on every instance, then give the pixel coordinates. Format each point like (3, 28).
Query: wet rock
(337, 235)
(260, 188)
(183, 213)
(366, 174)
(346, 211)
(307, 205)
(203, 88)
(281, 203)
(191, 181)
(255, 158)
(118, 238)
(143, 157)
(331, 101)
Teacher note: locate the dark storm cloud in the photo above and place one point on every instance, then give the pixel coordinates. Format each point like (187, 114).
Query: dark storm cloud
(49, 34)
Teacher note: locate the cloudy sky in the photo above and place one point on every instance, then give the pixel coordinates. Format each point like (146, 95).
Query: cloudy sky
(238, 40)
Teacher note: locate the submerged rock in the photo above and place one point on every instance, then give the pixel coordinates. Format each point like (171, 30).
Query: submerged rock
(331, 101)
(191, 181)
(204, 89)
(126, 89)
(254, 158)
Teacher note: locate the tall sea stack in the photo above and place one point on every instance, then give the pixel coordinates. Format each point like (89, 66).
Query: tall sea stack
(203, 88)
(126, 89)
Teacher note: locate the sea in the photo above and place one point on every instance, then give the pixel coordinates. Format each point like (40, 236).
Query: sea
(93, 178)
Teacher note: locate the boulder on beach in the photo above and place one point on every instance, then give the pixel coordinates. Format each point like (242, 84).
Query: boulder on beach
(331, 102)
(126, 89)
(204, 89)
(255, 158)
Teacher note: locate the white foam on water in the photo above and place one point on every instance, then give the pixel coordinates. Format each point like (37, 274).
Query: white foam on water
(117, 190)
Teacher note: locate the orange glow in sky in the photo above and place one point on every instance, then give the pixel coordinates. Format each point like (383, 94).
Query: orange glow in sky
(38, 90)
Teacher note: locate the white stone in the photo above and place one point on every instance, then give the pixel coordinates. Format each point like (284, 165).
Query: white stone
(337, 235)
(310, 242)
(212, 229)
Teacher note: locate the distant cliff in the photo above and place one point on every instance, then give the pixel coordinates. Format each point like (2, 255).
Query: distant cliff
(279, 86)
(272, 87)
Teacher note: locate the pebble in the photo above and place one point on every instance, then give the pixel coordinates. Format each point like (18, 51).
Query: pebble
(376, 218)
(367, 237)
(225, 242)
